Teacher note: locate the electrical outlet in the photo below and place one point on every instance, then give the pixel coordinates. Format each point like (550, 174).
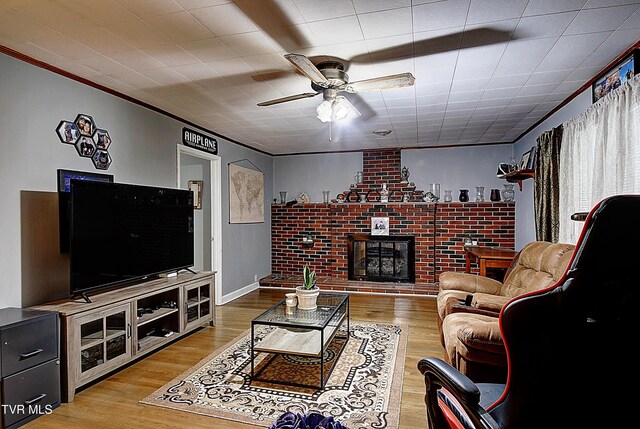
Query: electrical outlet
(255, 278)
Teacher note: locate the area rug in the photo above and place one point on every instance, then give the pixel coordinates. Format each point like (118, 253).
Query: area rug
(363, 390)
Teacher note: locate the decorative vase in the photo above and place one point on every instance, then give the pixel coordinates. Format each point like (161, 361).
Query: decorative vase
(508, 194)
(495, 195)
(479, 194)
(464, 195)
(447, 196)
(384, 194)
(307, 297)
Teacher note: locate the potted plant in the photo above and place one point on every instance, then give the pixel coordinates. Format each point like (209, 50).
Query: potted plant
(309, 291)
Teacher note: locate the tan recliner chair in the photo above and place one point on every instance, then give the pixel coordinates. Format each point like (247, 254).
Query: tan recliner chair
(470, 333)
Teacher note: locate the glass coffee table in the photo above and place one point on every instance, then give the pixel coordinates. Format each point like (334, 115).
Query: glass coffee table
(301, 332)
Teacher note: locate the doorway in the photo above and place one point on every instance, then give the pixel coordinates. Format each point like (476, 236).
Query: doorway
(196, 165)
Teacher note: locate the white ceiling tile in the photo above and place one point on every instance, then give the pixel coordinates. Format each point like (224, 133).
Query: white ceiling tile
(500, 93)
(571, 51)
(103, 65)
(37, 52)
(179, 27)
(170, 55)
(365, 6)
(229, 67)
(103, 12)
(556, 76)
(164, 76)
(253, 43)
(542, 26)
(224, 19)
(138, 33)
(149, 8)
(596, 20)
(19, 28)
(136, 60)
(434, 16)
(523, 55)
(537, 89)
(544, 7)
(484, 11)
(101, 40)
(66, 47)
(469, 85)
(336, 30)
(52, 15)
(469, 96)
(196, 73)
(632, 22)
(606, 3)
(614, 46)
(211, 49)
(198, 4)
(507, 81)
(386, 23)
(313, 10)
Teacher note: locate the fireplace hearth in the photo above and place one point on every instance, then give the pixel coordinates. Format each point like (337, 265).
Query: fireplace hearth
(381, 258)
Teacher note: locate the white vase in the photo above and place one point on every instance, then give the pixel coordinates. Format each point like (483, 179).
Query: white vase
(307, 298)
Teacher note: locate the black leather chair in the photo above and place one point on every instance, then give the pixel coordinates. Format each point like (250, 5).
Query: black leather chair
(570, 347)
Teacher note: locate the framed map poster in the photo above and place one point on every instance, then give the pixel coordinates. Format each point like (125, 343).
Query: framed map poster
(246, 195)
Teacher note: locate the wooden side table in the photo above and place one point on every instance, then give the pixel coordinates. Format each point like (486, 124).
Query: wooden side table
(488, 257)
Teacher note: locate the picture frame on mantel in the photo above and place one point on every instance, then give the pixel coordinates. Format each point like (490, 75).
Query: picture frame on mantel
(524, 161)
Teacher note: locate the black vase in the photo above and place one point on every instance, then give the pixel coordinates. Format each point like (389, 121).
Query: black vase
(495, 195)
(464, 195)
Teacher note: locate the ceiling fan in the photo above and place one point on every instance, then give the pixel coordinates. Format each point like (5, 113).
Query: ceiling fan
(329, 79)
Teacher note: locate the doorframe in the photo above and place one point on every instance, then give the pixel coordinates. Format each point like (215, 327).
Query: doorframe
(215, 194)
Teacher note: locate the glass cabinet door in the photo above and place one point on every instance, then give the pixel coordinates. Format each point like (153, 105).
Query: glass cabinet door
(105, 339)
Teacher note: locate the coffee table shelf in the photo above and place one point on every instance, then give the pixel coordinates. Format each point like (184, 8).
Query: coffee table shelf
(301, 332)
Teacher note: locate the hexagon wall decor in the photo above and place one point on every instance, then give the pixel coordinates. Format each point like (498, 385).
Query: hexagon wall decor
(89, 140)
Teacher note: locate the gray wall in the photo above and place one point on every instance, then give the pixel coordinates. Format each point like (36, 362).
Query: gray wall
(33, 101)
(453, 168)
(525, 221)
(332, 172)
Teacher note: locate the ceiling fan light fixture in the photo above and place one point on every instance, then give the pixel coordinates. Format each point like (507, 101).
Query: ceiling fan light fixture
(336, 109)
(324, 111)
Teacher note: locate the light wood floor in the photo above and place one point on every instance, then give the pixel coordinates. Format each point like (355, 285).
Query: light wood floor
(113, 402)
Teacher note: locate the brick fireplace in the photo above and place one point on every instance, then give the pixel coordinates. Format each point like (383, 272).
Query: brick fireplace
(438, 229)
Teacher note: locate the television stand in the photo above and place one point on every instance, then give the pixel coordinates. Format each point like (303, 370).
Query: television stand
(116, 327)
(190, 270)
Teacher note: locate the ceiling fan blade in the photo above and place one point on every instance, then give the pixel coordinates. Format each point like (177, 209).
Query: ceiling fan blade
(385, 82)
(289, 98)
(307, 68)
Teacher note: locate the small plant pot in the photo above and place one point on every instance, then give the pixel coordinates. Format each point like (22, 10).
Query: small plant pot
(307, 298)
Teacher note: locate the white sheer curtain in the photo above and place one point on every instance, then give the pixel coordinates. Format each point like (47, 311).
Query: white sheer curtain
(600, 155)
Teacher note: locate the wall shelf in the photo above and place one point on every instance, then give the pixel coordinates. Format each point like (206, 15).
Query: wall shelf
(518, 176)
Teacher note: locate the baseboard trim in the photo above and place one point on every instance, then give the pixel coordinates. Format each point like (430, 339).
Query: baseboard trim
(238, 293)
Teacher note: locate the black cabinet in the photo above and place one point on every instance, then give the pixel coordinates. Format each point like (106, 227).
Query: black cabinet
(29, 364)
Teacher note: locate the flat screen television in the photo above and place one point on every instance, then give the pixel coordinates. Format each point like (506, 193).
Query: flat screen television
(120, 233)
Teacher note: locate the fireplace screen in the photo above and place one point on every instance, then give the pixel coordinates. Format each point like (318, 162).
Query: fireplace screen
(381, 258)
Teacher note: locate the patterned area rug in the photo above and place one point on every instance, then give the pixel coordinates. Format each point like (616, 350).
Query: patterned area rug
(363, 390)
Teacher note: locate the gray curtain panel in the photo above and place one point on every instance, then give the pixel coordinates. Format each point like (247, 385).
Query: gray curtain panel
(546, 192)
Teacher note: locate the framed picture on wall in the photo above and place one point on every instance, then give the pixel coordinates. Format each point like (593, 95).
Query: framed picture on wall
(524, 161)
(195, 186)
(379, 226)
(616, 76)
